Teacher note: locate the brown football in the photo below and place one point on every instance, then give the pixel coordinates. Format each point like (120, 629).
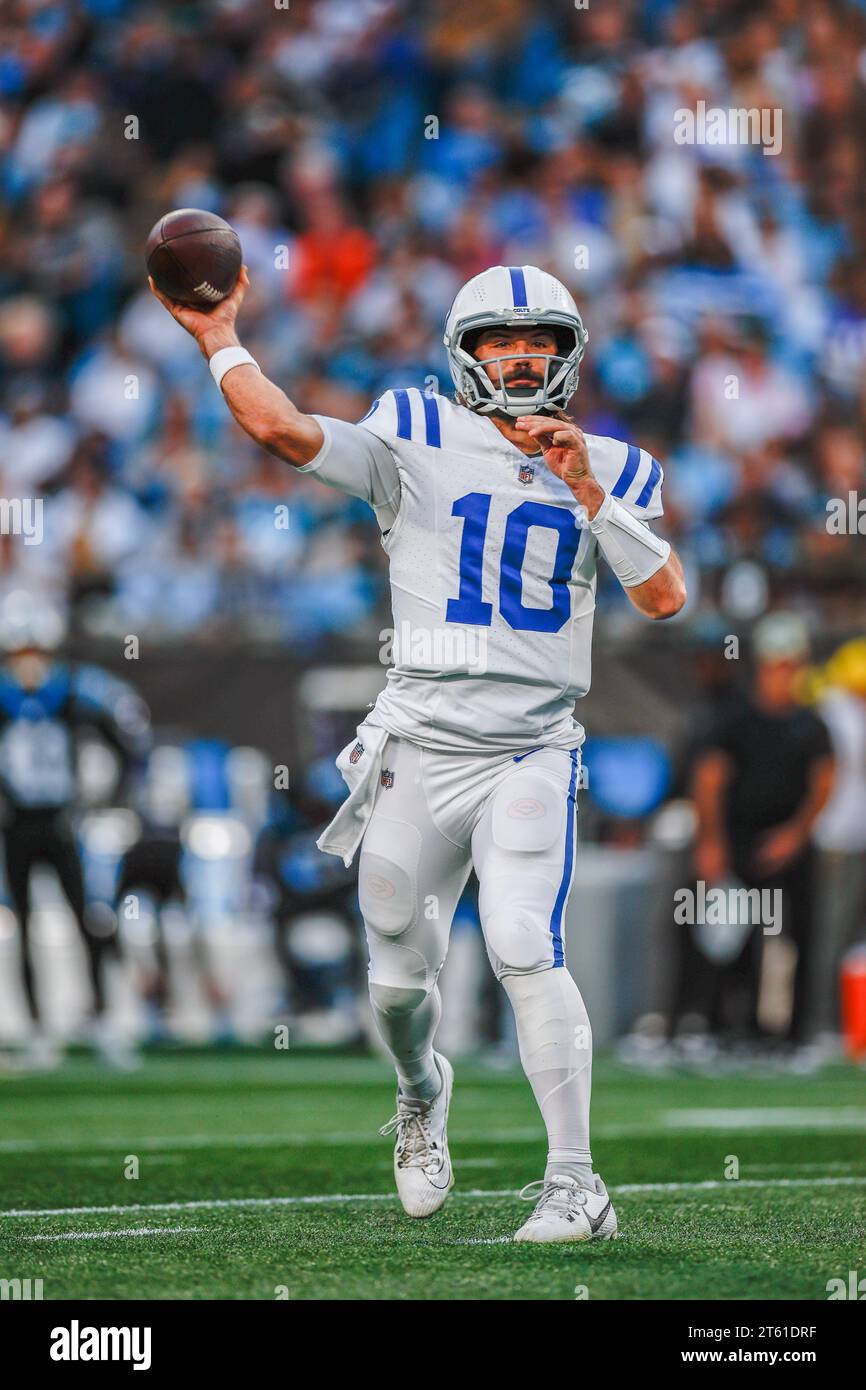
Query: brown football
(194, 256)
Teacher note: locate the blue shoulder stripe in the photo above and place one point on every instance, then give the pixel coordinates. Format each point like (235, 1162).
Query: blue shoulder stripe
(404, 415)
(431, 420)
(649, 487)
(518, 286)
(626, 477)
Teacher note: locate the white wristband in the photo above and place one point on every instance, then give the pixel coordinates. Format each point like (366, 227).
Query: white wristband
(229, 357)
(629, 546)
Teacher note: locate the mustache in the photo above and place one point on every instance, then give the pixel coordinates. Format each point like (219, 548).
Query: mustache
(523, 374)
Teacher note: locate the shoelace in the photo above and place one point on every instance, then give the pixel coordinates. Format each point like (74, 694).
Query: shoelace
(415, 1146)
(547, 1193)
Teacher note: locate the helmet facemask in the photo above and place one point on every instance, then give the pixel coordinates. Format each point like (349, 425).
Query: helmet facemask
(486, 395)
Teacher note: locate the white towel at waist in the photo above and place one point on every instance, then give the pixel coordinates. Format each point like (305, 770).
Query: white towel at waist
(345, 831)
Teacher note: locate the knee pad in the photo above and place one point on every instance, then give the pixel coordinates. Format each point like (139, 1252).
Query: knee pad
(388, 877)
(517, 934)
(394, 1002)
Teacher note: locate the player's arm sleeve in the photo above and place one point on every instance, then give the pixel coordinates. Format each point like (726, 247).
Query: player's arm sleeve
(358, 462)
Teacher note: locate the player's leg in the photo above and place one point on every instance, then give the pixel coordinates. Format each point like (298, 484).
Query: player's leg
(18, 850)
(22, 843)
(61, 853)
(798, 899)
(524, 853)
(410, 877)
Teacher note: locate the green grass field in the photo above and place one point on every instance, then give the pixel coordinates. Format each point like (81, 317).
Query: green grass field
(260, 1172)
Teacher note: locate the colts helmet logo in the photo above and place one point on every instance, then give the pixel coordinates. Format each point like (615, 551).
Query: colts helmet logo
(387, 778)
(356, 752)
(526, 473)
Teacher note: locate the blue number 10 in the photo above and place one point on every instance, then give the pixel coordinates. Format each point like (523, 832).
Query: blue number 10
(469, 607)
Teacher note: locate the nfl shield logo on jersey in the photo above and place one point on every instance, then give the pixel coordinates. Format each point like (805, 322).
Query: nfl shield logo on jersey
(526, 473)
(387, 778)
(356, 752)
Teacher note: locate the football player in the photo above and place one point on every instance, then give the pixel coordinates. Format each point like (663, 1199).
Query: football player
(493, 508)
(45, 704)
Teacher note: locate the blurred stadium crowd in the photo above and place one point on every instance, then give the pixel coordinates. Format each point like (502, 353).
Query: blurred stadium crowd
(374, 154)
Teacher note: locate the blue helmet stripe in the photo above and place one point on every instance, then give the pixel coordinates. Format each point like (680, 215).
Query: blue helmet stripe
(649, 487)
(404, 415)
(518, 286)
(431, 420)
(626, 477)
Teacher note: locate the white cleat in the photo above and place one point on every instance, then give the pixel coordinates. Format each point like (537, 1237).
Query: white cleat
(567, 1211)
(42, 1053)
(111, 1047)
(422, 1164)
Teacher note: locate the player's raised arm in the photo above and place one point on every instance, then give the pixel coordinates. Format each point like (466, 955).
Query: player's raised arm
(260, 407)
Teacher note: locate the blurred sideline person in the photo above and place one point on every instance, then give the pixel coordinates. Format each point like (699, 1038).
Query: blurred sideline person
(152, 871)
(494, 508)
(685, 984)
(45, 705)
(294, 884)
(840, 832)
(152, 880)
(759, 783)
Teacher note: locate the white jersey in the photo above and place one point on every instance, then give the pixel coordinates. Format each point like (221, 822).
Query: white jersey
(492, 566)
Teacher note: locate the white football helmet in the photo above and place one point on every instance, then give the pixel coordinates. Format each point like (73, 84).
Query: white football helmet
(511, 296)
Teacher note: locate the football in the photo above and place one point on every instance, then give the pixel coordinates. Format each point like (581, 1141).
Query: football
(194, 257)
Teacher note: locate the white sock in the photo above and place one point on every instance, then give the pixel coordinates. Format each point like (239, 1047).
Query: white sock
(555, 1042)
(407, 1020)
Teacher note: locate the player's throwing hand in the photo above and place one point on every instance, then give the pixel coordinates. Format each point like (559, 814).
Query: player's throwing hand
(212, 328)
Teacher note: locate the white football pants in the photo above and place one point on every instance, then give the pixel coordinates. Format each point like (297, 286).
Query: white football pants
(511, 818)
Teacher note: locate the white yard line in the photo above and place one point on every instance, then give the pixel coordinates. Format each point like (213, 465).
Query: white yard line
(329, 1198)
(131, 1231)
